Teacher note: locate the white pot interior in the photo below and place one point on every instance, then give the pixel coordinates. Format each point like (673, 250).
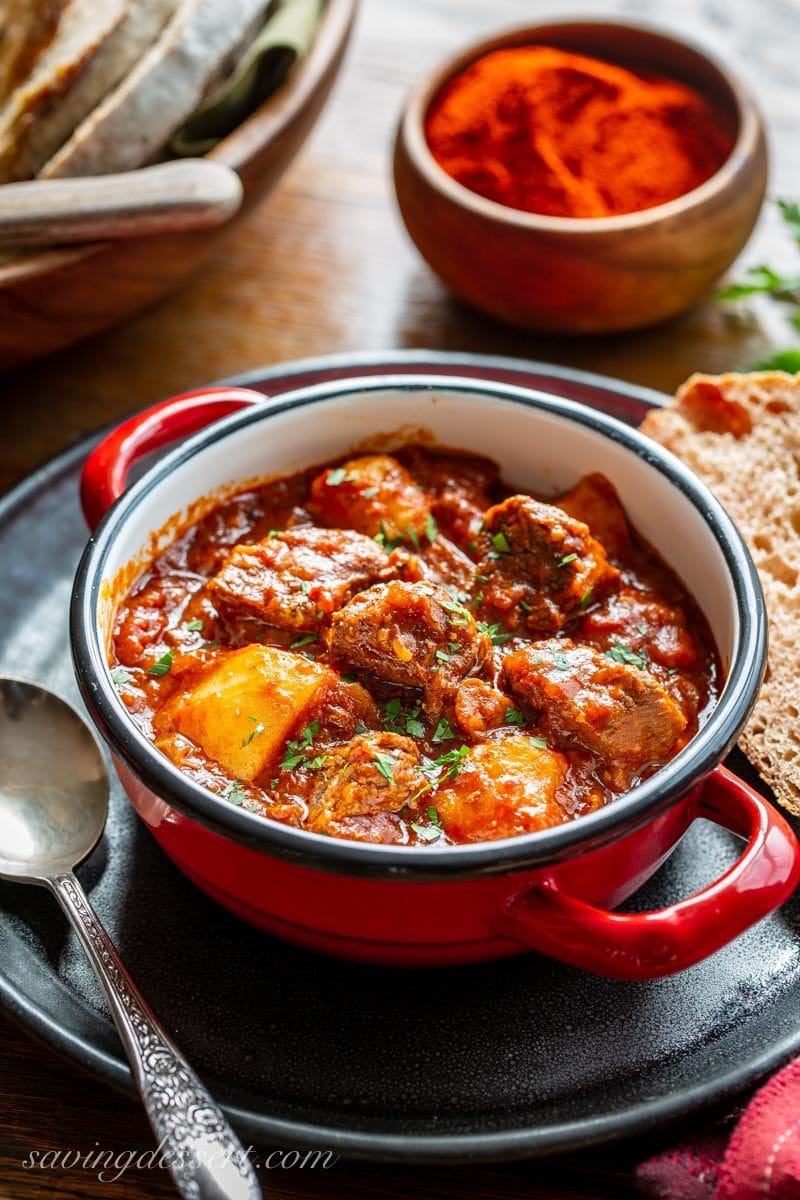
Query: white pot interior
(537, 450)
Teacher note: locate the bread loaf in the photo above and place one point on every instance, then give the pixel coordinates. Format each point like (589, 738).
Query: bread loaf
(741, 434)
(133, 124)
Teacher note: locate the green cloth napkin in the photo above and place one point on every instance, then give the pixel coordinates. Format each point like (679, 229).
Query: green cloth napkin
(283, 40)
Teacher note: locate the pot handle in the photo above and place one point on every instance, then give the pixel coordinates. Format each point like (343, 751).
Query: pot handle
(106, 470)
(649, 945)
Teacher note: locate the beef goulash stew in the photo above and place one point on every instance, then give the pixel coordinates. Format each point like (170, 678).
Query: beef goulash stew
(401, 649)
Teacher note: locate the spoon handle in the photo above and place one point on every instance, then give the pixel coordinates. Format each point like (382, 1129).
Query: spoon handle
(203, 1154)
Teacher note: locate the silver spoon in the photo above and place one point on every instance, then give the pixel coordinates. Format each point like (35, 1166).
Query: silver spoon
(53, 807)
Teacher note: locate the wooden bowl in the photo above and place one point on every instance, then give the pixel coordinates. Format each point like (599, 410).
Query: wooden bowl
(594, 275)
(53, 298)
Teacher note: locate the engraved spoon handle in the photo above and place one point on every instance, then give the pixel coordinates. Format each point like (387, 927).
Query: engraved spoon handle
(203, 1154)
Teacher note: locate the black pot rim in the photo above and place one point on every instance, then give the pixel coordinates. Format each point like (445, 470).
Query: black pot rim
(641, 804)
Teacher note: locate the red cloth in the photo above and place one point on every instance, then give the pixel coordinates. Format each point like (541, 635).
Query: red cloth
(760, 1162)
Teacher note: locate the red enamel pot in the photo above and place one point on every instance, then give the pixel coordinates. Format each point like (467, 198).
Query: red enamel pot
(552, 891)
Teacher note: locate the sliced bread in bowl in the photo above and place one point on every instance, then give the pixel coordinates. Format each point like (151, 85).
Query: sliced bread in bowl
(26, 137)
(741, 434)
(135, 121)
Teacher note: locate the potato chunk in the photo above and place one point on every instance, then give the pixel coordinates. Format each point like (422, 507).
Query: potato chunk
(241, 708)
(504, 788)
(374, 495)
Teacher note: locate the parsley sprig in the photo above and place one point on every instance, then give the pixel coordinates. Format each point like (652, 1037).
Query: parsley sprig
(298, 753)
(622, 653)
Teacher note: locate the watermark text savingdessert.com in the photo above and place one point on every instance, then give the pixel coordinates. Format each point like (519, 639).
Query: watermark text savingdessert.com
(109, 1166)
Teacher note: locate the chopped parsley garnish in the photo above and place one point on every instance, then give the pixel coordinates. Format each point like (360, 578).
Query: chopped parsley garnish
(305, 586)
(443, 732)
(370, 492)
(412, 537)
(493, 631)
(305, 640)
(623, 654)
(234, 792)
(384, 763)
(455, 606)
(348, 679)
(339, 475)
(442, 656)
(273, 533)
(398, 717)
(585, 599)
(431, 529)
(120, 676)
(446, 766)
(433, 815)
(162, 666)
(528, 608)
(384, 539)
(561, 660)
(539, 743)
(297, 753)
(481, 578)
(513, 716)
(427, 833)
(501, 543)
(194, 626)
(568, 558)
(255, 732)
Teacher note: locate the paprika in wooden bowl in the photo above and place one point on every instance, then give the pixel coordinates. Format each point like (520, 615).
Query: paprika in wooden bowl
(581, 177)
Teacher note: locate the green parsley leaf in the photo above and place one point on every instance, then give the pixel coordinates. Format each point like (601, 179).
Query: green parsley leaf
(568, 558)
(120, 676)
(256, 732)
(501, 543)
(194, 626)
(528, 608)
(784, 360)
(443, 732)
(234, 792)
(433, 814)
(561, 660)
(336, 476)
(585, 599)
(305, 586)
(427, 833)
(497, 638)
(623, 654)
(305, 640)
(539, 743)
(162, 666)
(415, 728)
(370, 492)
(384, 763)
(513, 716)
(412, 537)
(442, 656)
(431, 529)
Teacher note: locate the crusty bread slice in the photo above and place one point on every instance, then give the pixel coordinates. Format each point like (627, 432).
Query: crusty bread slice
(135, 121)
(26, 30)
(50, 110)
(741, 434)
(84, 27)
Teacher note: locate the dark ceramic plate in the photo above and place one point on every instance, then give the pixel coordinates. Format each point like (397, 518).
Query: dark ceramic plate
(521, 1057)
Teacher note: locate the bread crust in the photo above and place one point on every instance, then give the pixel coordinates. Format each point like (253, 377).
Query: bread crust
(741, 434)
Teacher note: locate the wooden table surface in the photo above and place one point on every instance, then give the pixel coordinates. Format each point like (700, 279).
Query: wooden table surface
(324, 267)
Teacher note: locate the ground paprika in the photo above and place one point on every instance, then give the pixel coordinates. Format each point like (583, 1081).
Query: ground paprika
(551, 131)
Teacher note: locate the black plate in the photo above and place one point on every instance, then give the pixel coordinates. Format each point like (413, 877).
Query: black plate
(521, 1057)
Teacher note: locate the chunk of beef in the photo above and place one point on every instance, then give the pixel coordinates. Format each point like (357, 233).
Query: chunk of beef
(145, 617)
(414, 635)
(298, 578)
(618, 712)
(374, 495)
(538, 565)
(594, 501)
(504, 787)
(480, 707)
(361, 783)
